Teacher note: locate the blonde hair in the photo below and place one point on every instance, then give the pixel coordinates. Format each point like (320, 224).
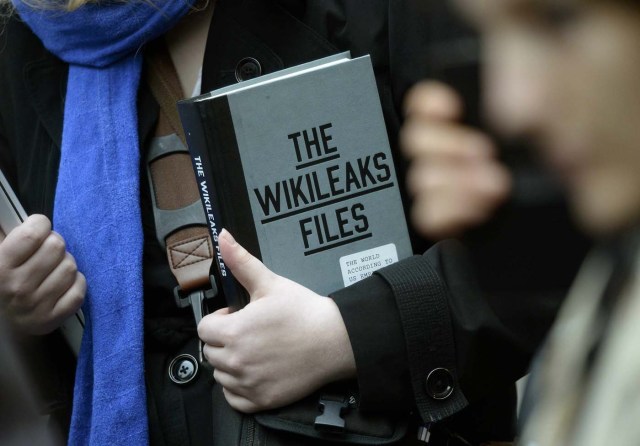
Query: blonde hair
(74, 4)
(66, 5)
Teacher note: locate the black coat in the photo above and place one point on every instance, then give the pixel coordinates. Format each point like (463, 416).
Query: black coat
(417, 327)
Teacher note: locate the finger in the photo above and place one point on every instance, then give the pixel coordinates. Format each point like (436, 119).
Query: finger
(49, 256)
(250, 272)
(213, 328)
(229, 382)
(72, 299)
(63, 277)
(67, 305)
(458, 201)
(419, 138)
(430, 219)
(239, 403)
(475, 180)
(28, 278)
(218, 358)
(433, 224)
(433, 100)
(431, 177)
(24, 240)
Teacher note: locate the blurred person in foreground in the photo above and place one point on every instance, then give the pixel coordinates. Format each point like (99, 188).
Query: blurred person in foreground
(564, 74)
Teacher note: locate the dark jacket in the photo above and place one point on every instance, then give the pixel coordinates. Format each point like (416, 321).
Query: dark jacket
(423, 333)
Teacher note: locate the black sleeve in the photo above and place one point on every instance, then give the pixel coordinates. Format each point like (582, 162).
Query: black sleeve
(424, 335)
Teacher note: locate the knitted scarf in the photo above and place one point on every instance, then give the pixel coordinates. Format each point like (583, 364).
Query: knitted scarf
(97, 203)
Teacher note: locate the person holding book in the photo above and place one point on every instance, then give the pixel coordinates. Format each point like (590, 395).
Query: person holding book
(76, 116)
(565, 74)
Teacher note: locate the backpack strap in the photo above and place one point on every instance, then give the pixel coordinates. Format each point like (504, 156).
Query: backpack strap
(179, 217)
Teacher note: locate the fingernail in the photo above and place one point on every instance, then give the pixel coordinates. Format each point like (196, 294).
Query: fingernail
(227, 235)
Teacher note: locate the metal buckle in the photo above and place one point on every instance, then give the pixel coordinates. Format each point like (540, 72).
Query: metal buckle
(330, 418)
(196, 299)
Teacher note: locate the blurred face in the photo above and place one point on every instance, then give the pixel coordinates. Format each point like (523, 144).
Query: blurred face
(567, 74)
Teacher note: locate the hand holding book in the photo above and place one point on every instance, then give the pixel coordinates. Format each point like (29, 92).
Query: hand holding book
(267, 355)
(40, 285)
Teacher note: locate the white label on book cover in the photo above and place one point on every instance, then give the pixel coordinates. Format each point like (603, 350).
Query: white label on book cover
(361, 265)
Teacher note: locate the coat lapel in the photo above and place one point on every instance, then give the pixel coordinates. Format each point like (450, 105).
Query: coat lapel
(46, 82)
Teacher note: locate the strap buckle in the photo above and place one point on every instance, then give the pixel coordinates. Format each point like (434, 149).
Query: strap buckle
(330, 418)
(197, 301)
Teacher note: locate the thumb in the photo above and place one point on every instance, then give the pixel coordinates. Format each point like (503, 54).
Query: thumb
(249, 271)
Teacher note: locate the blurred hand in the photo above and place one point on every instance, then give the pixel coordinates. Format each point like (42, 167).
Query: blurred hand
(40, 285)
(454, 177)
(286, 343)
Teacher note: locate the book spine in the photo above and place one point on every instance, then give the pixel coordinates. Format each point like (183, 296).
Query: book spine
(194, 123)
(229, 175)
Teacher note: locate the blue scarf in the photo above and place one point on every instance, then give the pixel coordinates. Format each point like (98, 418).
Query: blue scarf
(97, 204)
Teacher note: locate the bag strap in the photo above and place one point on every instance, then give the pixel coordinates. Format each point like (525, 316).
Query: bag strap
(179, 217)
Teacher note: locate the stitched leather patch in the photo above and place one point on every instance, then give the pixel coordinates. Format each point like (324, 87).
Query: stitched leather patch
(189, 252)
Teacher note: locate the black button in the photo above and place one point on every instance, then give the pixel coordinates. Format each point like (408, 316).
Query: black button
(183, 369)
(248, 68)
(439, 384)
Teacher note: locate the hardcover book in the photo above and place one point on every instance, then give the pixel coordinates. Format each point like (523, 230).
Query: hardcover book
(297, 166)
(11, 211)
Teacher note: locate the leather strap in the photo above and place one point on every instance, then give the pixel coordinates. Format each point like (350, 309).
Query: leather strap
(173, 183)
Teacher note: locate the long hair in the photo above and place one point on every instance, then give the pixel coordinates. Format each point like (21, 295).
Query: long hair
(65, 5)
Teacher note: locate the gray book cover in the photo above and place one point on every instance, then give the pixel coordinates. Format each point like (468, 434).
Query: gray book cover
(11, 212)
(302, 170)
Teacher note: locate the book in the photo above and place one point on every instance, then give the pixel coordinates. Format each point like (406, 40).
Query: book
(12, 214)
(11, 211)
(297, 166)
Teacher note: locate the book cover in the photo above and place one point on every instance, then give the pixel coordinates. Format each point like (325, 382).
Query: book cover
(297, 165)
(11, 211)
